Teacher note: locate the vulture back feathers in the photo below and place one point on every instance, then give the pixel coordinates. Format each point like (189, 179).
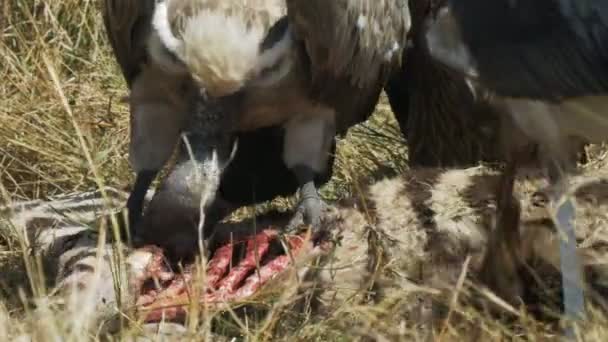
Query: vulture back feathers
(355, 38)
(351, 47)
(546, 60)
(542, 49)
(446, 121)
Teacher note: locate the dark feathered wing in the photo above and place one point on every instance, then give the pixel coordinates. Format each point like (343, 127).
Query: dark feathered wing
(357, 39)
(127, 24)
(545, 49)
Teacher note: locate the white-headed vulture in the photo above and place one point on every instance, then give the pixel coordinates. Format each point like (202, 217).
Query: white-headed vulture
(225, 73)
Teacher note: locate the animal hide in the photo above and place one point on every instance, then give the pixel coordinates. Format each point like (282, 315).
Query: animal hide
(403, 241)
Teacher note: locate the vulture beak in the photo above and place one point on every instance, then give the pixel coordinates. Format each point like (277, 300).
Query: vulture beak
(446, 45)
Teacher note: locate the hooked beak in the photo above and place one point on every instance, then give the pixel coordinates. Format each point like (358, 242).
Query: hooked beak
(445, 44)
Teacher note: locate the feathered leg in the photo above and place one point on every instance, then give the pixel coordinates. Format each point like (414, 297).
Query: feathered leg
(307, 145)
(135, 202)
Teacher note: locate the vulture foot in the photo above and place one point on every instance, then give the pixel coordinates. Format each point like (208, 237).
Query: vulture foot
(310, 212)
(227, 279)
(311, 208)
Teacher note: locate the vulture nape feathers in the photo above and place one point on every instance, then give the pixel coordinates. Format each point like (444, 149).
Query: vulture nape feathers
(223, 73)
(546, 62)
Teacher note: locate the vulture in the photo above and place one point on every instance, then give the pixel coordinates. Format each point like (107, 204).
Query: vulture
(228, 78)
(546, 64)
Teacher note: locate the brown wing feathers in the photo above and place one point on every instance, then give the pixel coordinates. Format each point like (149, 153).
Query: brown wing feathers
(127, 24)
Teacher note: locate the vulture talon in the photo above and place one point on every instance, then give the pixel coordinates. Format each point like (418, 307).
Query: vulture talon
(296, 222)
(310, 212)
(311, 208)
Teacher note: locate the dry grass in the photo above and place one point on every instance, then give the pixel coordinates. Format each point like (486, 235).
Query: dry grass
(41, 152)
(71, 133)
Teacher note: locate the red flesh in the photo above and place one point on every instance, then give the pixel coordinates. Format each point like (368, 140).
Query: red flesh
(241, 282)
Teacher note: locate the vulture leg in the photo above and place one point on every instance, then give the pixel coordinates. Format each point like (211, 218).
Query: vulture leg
(159, 105)
(311, 205)
(307, 146)
(556, 197)
(135, 202)
(501, 266)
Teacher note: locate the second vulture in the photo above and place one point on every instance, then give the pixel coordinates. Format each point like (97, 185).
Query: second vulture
(547, 63)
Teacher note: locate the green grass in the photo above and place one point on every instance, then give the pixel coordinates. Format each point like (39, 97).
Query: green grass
(63, 128)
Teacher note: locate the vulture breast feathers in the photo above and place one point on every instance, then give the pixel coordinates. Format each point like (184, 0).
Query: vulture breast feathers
(128, 24)
(541, 49)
